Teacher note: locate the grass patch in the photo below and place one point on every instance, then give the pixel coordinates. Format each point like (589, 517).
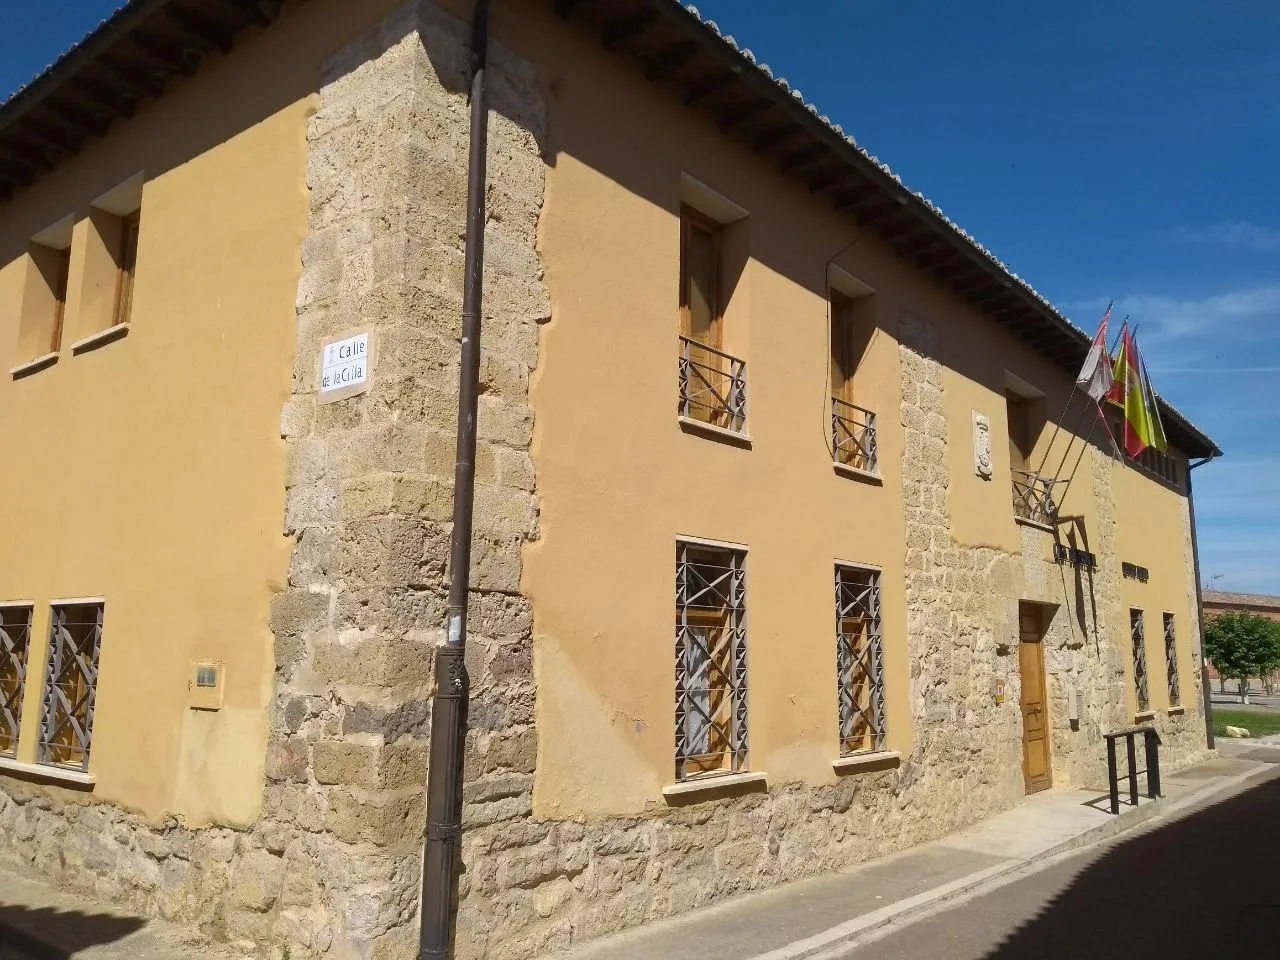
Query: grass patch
(1258, 723)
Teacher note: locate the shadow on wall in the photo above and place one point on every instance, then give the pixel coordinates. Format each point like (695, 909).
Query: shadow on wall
(46, 933)
(1202, 887)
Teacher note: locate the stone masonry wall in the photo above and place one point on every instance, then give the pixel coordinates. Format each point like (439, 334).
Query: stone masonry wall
(332, 867)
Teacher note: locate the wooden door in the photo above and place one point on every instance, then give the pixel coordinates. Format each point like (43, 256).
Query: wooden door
(1036, 769)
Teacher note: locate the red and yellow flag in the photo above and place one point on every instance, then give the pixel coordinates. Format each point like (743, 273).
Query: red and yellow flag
(1142, 425)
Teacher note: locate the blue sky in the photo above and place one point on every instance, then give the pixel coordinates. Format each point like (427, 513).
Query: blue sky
(1125, 149)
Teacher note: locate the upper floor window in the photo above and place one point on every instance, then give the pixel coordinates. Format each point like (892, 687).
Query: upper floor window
(127, 264)
(853, 427)
(712, 382)
(110, 264)
(1032, 493)
(43, 309)
(1162, 466)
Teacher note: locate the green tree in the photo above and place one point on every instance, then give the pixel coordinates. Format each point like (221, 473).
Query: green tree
(1241, 646)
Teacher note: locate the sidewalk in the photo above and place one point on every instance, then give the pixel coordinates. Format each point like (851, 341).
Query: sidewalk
(40, 922)
(811, 917)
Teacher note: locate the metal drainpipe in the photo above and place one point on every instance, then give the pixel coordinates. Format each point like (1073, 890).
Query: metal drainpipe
(449, 704)
(1195, 554)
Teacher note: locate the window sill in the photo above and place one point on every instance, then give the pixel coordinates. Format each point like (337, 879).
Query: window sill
(710, 784)
(1033, 523)
(1175, 711)
(1142, 715)
(46, 772)
(31, 366)
(689, 424)
(885, 759)
(854, 473)
(100, 338)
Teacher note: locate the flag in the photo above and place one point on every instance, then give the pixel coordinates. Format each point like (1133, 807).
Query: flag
(1142, 426)
(1097, 376)
(1158, 439)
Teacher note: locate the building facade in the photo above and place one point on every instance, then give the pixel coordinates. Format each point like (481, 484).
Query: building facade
(775, 567)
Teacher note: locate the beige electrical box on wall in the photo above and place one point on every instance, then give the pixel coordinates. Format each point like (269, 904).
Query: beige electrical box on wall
(208, 680)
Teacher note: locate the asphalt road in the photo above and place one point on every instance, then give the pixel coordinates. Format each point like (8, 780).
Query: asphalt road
(1201, 887)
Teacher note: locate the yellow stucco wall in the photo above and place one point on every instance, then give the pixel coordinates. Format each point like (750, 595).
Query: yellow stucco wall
(150, 471)
(1152, 535)
(620, 481)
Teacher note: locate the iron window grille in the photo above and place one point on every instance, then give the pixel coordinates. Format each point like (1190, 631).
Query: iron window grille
(15, 645)
(853, 436)
(713, 386)
(1138, 633)
(1171, 660)
(1033, 498)
(711, 661)
(859, 660)
(70, 685)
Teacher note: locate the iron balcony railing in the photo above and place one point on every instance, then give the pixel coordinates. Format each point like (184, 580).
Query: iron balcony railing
(713, 386)
(1033, 498)
(853, 436)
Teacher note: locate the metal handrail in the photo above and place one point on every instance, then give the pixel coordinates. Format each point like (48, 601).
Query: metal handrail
(1151, 743)
(708, 393)
(853, 436)
(1033, 497)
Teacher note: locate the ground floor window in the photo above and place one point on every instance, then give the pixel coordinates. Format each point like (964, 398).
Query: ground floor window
(711, 660)
(1171, 660)
(859, 660)
(15, 643)
(1138, 634)
(70, 684)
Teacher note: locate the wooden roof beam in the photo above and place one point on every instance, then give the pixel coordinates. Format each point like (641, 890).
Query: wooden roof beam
(564, 8)
(701, 89)
(135, 83)
(162, 54)
(775, 136)
(803, 157)
(205, 31)
(93, 122)
(266, 12)
(670, 60)
(628, 29)
(730, 120)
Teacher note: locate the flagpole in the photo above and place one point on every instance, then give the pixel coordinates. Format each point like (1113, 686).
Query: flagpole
(1083, 448)
(1057, 428)
(1075, 387)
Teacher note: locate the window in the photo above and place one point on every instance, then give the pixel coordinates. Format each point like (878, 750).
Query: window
(70, 684)
(712, 383)
(1132, 571)
(126, 263)
(1162, 466)
(1138, 634)
(15, 643)
(853, 428)
(859, 660)
(44, 295)
(1032, 494)
(711, 661)
(1171, 660)
(109, 281)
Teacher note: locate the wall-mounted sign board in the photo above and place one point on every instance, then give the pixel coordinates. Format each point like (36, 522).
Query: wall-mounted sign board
(346, 367)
